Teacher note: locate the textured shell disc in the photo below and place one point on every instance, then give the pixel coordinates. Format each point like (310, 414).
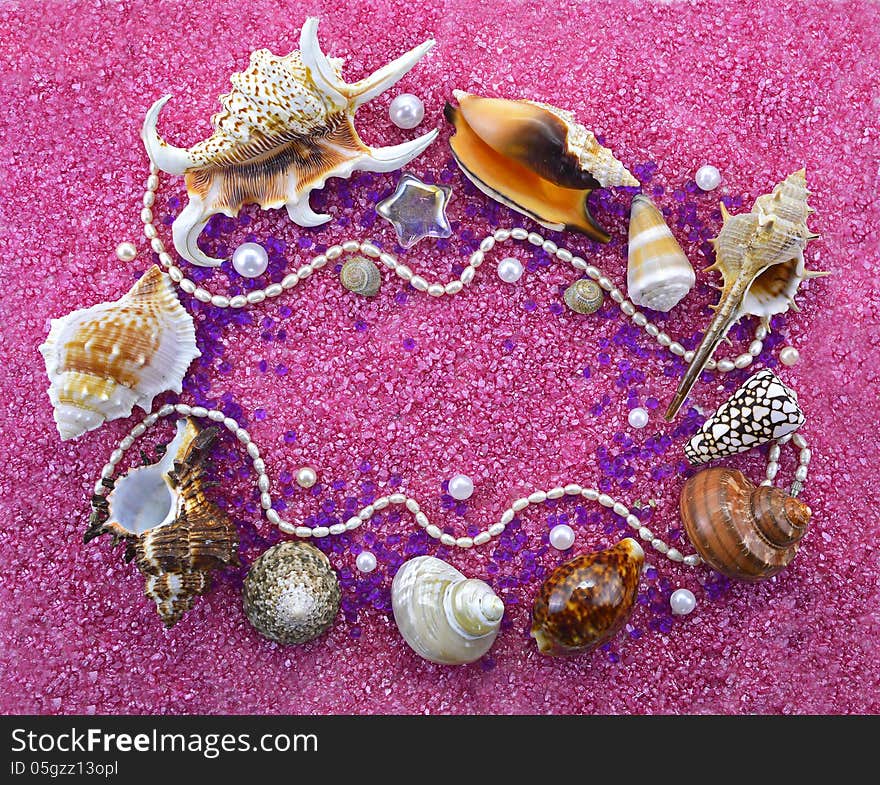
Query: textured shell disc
(104, 360)
(762, 410)
(291, 594)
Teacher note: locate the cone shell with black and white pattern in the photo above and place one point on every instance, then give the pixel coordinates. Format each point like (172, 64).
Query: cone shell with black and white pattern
(762, 410)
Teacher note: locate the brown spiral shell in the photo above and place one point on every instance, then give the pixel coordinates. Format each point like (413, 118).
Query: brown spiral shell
(178, 555)
(586, 601)
(744, 532)
(177, 559)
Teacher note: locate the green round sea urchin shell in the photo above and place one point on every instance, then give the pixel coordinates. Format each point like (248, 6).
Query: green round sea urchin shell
(291, 594)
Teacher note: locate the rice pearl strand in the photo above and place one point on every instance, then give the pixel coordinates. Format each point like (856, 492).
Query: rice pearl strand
(433, 288)
(804, 455)
(366, 513)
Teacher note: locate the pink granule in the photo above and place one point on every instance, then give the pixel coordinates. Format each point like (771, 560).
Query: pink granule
(403, 391)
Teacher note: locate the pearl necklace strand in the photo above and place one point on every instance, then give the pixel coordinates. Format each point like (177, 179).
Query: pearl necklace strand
(105, 484)
(434, 289)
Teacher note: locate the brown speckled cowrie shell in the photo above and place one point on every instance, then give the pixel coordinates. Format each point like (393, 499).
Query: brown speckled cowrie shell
(587, 600)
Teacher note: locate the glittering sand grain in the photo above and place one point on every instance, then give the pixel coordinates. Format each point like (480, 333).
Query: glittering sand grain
(501, 383)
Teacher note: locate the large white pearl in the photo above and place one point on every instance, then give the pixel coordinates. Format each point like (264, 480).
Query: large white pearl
(250, 260)
(126, 252)
(406, 111)
(682, 602)
(461, 487)
(306, 477)
(510, 270)
(708, 178)
(365, 561)
(562, 537)
(789, 356)
(638, 417)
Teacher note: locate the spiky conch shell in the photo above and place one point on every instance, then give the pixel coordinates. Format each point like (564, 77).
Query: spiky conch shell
(285, 128)
(760, 256)
(658, 274)
(175, 534)
(105, 360)
(444, 616)
(534, 158)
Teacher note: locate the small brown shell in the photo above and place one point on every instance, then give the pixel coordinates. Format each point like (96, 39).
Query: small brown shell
(291, 594)
(361, 276)
(745, 532)
(586, 601)
(584, 296)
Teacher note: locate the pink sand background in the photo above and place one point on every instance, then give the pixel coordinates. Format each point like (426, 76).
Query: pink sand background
(757, 88)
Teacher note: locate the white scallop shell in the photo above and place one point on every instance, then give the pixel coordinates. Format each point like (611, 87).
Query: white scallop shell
(104, 360)
(444, 616)
(658, 273)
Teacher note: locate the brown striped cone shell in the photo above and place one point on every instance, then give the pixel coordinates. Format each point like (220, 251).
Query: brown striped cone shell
(760, 255)
(762, 410)
(586, 601)
(176, 535)
(361, 276)
(584, 296)
(744, 532)
(534, 158)
(284, 129)
(291, 594)
(658, 274)
(105, 360)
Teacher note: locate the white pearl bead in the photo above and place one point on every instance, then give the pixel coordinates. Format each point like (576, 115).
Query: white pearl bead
(126, 252)
(306, 477)
(638, 417)
(708, 178)
(365, 561)
(562, 537)
(510, 270)
(406, 111)
(789, 355)
(682, 602)
(250, 260)
(461, 487)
